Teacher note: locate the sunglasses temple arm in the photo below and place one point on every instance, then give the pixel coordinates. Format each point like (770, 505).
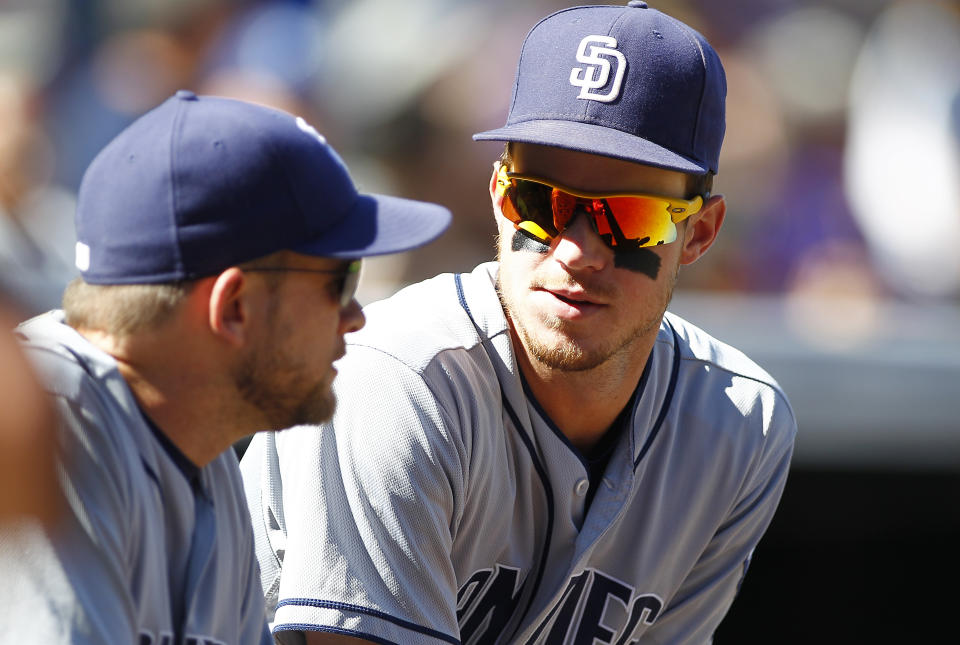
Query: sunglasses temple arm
(703, 200)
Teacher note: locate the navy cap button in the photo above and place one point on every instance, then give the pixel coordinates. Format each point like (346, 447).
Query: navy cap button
(186, 95)
(637, 4)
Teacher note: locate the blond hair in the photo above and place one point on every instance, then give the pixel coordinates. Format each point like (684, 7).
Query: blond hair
(122, 309)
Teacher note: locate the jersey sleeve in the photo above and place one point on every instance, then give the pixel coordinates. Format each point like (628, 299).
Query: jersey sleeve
(361, 530)
(708, 591)
(83, 594)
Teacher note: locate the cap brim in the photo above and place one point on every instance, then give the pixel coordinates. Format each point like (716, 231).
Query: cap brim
(378, 225)
(593, 139)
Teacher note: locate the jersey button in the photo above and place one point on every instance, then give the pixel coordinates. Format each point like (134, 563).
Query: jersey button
(581, 487)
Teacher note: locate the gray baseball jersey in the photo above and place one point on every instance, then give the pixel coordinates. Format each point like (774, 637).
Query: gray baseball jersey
(441, 505)
(153, 550)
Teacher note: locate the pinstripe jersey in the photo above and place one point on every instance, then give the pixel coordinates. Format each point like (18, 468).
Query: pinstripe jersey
(153, 550)
(441, 505)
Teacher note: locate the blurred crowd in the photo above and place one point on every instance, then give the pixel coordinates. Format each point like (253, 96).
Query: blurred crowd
(841, 165)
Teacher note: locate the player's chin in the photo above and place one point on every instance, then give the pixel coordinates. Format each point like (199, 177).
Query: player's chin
(319, 408)
(313, 408)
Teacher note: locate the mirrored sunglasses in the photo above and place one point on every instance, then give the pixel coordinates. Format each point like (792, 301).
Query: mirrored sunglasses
(543, 210)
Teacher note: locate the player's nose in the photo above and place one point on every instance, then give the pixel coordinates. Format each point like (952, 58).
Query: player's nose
(351, 317)
(580, 247)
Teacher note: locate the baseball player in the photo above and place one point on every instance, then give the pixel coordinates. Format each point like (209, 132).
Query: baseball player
(536, 451)
(219, 246)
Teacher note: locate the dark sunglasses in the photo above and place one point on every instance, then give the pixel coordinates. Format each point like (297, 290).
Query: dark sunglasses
(345, 284)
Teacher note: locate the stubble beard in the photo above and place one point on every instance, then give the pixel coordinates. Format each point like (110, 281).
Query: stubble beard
(273, 381)
(558, 349)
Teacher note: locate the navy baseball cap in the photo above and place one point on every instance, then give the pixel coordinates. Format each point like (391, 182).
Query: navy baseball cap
(201, 183)
(620, 81)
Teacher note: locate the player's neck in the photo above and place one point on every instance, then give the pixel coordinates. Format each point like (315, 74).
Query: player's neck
(179, 388)
(584, 404)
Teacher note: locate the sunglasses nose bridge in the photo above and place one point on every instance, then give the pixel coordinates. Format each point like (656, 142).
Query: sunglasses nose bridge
(581, 245)
(566, 207)
(589, 208)
(584, 210)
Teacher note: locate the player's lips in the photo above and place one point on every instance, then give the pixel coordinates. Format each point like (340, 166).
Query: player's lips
(571, 303)
(336, 357)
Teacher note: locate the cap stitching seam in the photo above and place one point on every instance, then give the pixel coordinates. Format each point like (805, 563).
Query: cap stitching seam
(614, 27)
(523, 49)
(561, 116)
(703, 90)
(178, 120)
(306, 223)
(275, 162)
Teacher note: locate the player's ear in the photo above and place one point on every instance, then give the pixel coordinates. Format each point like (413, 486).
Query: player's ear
(228, 307)
(702, 228)
(496, 197)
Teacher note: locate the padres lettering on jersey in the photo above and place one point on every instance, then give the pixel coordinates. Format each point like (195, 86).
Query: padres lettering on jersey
(453, 511)
(589, 606)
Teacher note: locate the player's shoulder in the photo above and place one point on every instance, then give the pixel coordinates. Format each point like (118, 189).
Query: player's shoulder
(728, 371)
(699, 346)
(100, 430)
(422, 321)
(93, 400)
(66, 363)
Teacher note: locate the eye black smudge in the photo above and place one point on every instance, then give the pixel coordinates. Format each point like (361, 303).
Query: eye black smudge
(523, 242)
(641, 260)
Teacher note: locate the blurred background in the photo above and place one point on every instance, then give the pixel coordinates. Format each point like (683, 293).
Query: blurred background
(838, 268)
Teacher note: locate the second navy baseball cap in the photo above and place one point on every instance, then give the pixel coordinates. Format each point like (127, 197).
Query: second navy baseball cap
(620, 81)
(201, 183)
